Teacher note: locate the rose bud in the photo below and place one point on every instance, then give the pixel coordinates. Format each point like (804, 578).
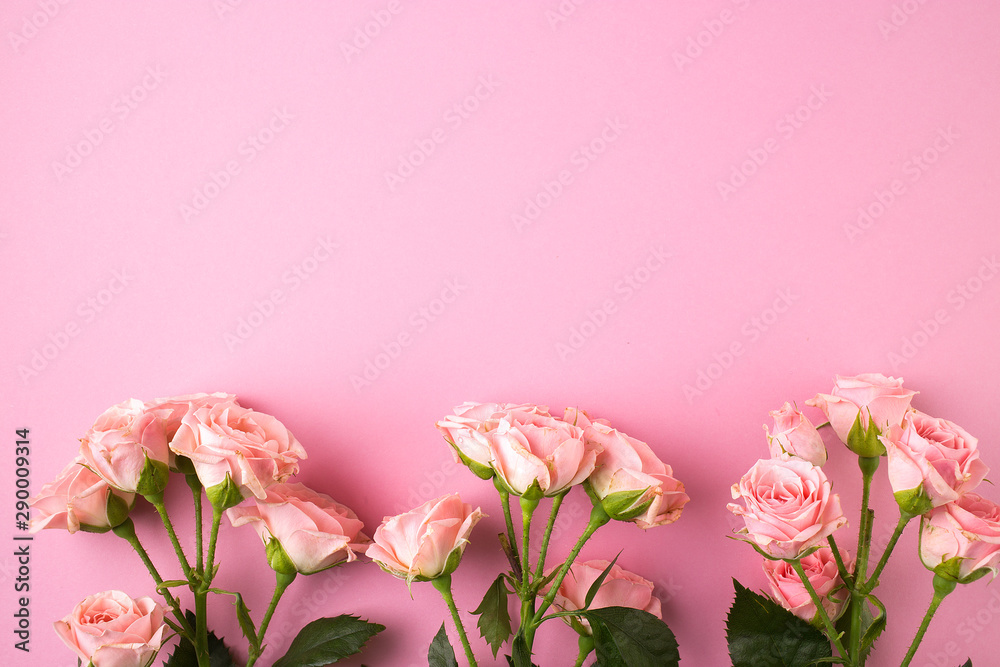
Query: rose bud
(960, 541)
(466, 431)
(862, 407)
(427, 542)
(795, 435)
(790, 507)
(78, 499)
(620, 588)
(303, 531)
(789, 591)
(111, 629)
(127, 447)
(628, 480)
(931, 462)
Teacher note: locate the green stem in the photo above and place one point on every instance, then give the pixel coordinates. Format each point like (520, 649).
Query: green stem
(213, 538)
(126, 531)
(586, 645)
(196, 490)
(201, 591)
(509, 522)
(556, 504)
(443, 584)
(868, 465)
(201, 626)
(282, 582)
(157, 501)
(904, 519)
(831, 631)
(942, 587)
(846, 576)
(527, 594)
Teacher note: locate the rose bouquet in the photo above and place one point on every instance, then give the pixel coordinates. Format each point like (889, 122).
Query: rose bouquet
(535, 457)
(232, 456)
(823, 608)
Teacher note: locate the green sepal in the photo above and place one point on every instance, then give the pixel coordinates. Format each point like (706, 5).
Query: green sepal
(532, 493)
(153, 478)
(224, 495)
(86, 528)
(478, 469)
(864, 442)
(278, 558)
(117, 509)
(622, 505)
(914, 501)
(184, 465)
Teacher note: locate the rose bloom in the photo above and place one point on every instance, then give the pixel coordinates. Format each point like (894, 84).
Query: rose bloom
(789, 506)
(625, 466)
(795, 435)
(620, 588)
(172, 411)
(117, 445)
(111, 629)
(523, 444)
(966, 533)
(935, 454)
(872, 395)
(77, 499)
(315, 531)
(821, 569)
(426, 542)
(253, 448)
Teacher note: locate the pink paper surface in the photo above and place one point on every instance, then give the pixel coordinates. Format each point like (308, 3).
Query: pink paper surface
(674, 215)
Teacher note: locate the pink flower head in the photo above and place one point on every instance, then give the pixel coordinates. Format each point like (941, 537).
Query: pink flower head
(795, 435)
(171, 411)
(821, 570)
(620, 588)
(127, 447)
(790, 507)
(961, 540)
(313, 530)
(77, 499)
(871, 396)
(110, 629)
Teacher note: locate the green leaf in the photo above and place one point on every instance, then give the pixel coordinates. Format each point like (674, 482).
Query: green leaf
(440, 653)
(875, 628)
(494, 616)
(520, 653)
(596, 586)
(763, 634)
(246, 622)
(185, 656)
(968, 663)
(327, 640)
(628, 637)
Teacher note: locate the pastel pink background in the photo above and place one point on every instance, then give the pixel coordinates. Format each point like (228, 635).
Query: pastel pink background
(543, 312)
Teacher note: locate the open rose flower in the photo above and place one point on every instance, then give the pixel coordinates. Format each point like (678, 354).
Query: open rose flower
(111, 629)
(303, 531)
(790, 507)
(795, 435)
(529, 450)
(871, 397)
(821, 569)
(620, 588)
(961, 540)
(77, 499)
(630, 482)
(171, 411)
(127, 447)
(931, 462)
(427, 542)
(236, 451)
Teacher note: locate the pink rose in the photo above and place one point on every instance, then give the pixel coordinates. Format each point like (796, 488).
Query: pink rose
(127, 447)
(872, 396)
(111, 629)
(224, 440)
(172, 411)
(628, 478)
(620, 588)
(77, 499)
(427, 542)
(789, 506)
(821, 570)
(931, 462)
(528, 449)
(795, 435)
(314, 531)
(961, 540)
